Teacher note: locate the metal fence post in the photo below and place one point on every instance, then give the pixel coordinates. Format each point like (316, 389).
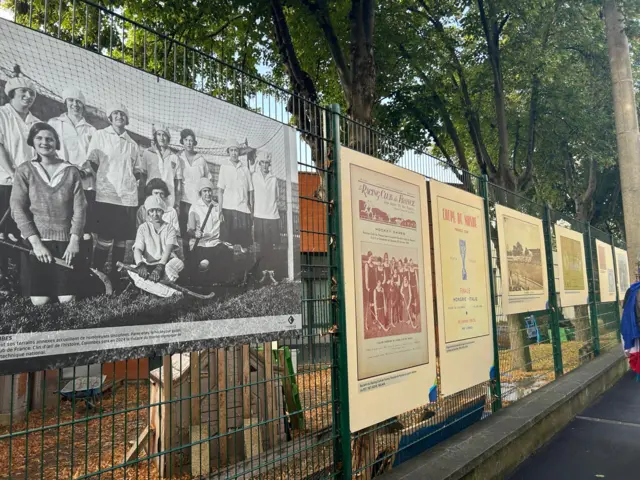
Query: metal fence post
(495, 384)
(615, 278)
(553, 296)
(593, 304)
(340, 383)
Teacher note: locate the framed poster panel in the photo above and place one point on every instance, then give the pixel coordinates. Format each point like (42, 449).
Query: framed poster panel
(463, 295)
(606, 272)
(523, 262)
(204, 156)
(388, 289)
(572, 271)
(622, 269)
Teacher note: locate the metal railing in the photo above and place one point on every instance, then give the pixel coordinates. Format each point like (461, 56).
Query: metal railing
(42, 436)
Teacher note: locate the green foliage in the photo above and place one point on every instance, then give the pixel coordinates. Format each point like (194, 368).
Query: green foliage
(433, 75)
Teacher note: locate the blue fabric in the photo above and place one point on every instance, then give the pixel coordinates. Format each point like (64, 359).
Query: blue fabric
(629, 326)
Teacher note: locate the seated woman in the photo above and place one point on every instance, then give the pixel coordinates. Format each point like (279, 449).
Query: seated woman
(211, 258)
(49, 207)
(159, 189)
(154, 251)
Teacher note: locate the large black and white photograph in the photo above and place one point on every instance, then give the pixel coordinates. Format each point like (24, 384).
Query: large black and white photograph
(136, 214)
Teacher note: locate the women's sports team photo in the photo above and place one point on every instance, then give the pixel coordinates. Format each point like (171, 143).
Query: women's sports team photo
(391, 295)
(75, 198)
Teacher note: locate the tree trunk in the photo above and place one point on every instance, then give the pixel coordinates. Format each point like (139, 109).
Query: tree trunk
(582, 324)
(520, 353)
(626, 127)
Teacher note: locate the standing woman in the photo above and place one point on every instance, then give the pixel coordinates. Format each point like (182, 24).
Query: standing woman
(75, 134)
(49, 207)
(405, 291)
(193, 167)
(112, 160)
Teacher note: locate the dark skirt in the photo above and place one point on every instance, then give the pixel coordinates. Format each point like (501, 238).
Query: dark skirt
(236, 228)
(90, 196)
(114, 222)
(9, 225)
(183, 218)
(48, 279)
(267, 233)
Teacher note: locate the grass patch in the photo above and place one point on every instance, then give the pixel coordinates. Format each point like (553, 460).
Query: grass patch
(135, 308)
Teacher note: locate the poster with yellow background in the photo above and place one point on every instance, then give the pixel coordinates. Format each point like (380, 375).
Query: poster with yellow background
(462, 288)
(572, 269)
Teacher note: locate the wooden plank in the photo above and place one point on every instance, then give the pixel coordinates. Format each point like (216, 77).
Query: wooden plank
(251, 433)
(165, 426)
(200, 456)
(287, 386)
(246, 380)
(268, 377)
(139, 444)
(222, 406)
(195, 388)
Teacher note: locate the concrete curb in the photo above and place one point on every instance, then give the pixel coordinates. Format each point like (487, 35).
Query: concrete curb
(496, 446)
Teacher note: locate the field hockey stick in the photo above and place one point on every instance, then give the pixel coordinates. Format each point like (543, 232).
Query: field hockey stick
(108, 288)
(175, 286)
(206, 217)
(5, 216)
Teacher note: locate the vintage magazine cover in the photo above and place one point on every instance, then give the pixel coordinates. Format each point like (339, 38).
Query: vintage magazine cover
(523, 263)
(572, 268)
(462, 285)
(389, 302)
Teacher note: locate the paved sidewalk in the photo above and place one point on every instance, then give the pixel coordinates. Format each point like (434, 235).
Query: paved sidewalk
(601, 442)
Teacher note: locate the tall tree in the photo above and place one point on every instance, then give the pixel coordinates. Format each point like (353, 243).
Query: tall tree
(626, 126)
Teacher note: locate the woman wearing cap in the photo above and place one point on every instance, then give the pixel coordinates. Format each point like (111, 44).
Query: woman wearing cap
(15, 121)
(154, 250)
(236, 197)
(193, 167)
(113, 157)
(211, 257)
(75, 134)
(48, 205)
(159, 161)
(157, 188)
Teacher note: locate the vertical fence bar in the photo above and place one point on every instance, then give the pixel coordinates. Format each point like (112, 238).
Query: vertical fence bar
(593, 301)
(616, 279)
(496, 388)
(553, 296)
(342, 444)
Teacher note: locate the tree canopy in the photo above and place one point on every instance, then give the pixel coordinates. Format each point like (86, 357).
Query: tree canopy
(518, 90)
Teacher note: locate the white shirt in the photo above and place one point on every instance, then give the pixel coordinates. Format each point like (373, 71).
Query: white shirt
(166, 168)
(211, 231)
(13, 136)
(235, 180)
(265, 190)
(191, 175)
(153, 244)
(56, 178)
(74, 140)
(116, 156)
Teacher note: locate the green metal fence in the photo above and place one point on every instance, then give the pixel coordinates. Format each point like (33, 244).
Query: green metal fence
(228, 410)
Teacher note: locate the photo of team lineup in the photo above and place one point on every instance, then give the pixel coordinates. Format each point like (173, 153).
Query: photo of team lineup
(113, 181)
(390, 283)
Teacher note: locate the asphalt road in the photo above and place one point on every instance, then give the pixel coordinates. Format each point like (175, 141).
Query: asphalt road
(601, 442)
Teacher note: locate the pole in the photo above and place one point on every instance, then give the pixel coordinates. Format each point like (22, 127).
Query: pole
(495, 380)
(340, 384)
(553, 296)
(593, 304)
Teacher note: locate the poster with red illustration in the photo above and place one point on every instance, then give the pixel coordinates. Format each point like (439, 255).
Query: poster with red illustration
(388, 294)
(390, 297)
